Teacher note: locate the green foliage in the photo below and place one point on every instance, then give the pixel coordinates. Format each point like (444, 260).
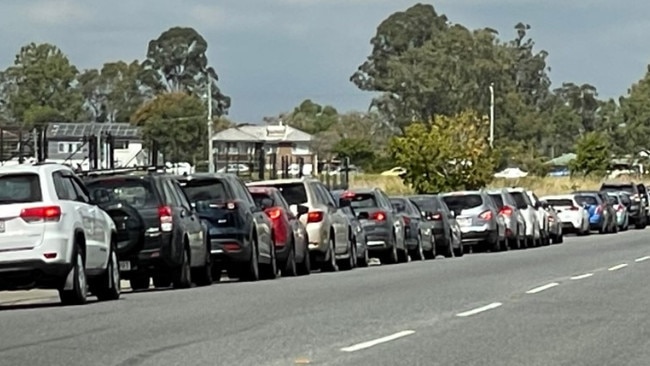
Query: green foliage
(592, 155)
(115, 92)
(359, 150)
(177, 122)
(449, 153)
(312, 118)
(177, 62)
(41, 78)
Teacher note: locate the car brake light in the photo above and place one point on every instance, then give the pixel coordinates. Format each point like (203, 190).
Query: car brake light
(37, 214)
(436, 216)
(274, 213)
(599, 209)
(551, 219)
(378, 216)
(314, 216)
(486, 215)
(407, 220)
(621, 208)
(165, 217)
(506, 211)
(347, 195)
(574, 208)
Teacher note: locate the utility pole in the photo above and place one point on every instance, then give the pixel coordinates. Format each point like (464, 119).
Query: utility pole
(210, 155)
(491, 115)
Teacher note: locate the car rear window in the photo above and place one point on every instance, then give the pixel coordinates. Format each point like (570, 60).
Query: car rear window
(362, 200)
(138, 193)
(522, 200)
(205, 190)
(560, 202)
(498, 199)
(20, 188)
(426, 203)
(464, 202)
(293, 193)
(619, 187)
(263, 199)
(613, 199)
(585, 199)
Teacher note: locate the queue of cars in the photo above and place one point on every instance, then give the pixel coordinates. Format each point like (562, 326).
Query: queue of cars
(83, 235)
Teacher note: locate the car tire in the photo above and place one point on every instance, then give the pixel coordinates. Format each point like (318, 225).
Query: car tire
(418, 253)
(350, 262)
(304, 268)
(270, 271)
(107, 286)
(183, 273)
(251, 272)
(330, 265)
(78, 295)
(202, 276)
(160, 280)
(291, 267)
(365, 261)
(460, 251)
(139, 282)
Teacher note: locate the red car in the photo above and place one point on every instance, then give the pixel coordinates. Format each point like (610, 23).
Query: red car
(289, 234)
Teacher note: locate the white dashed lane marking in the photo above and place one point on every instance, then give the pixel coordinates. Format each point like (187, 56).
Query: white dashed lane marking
(491, 306)
(542, 288)
(642, 259)
(364, 345)
(583, 276)
(616, 268)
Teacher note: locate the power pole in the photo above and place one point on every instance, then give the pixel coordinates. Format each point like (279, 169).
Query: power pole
(491, 115)
(210, 155)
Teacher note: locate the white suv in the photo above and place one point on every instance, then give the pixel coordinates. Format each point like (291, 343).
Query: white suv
(52, 237)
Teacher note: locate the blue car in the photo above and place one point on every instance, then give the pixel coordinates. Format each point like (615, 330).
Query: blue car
(599, 217)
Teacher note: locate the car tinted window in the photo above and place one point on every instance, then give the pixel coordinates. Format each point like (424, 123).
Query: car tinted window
(399, 205)
(293, 193)
(205, 190)
(363, 200)
(426, 203)
(138, 193)
(463, 202)
(587, 199)
(498, 200)
(20, 188)
(560, 202)
(626, 199)
(521, 199)
(263, 199)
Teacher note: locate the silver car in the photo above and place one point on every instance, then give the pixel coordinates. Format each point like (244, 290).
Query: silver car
(524, 204)
(478, 218)
(514, 219)
(621, 201)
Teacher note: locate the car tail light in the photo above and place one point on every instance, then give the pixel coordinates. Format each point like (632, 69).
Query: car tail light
(486, 215)
(378, 216)
(274, 213)
(38, 214)
(621, 208)
(314, 216)
(574, 208)
(347, 195)
(599, 209)
(436, 216)
(165, 217)
(551, 219)
(407, 220)
(506, 211)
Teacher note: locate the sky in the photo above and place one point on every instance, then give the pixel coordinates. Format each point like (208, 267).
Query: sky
(272, 54)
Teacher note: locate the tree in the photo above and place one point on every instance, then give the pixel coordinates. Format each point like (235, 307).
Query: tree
(177, 62)
(592, 154)
(42, 76)
(635, 109)
(311, 117)
(177, 122)
(449, 153)
(113, 93)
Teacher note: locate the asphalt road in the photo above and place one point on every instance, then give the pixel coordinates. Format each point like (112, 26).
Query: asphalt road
(583, 302)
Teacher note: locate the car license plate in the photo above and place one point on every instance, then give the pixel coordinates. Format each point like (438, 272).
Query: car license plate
(464, 221)
(125, 266)
(2, 226)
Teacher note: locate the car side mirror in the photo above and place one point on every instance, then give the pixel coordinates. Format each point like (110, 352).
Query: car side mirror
(545, 205)
(301, 210)
(452, 215)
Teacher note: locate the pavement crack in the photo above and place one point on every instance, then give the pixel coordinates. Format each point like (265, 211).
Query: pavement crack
(140, 358)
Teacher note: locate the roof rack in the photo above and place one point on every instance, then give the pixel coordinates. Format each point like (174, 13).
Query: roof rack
(121, 171)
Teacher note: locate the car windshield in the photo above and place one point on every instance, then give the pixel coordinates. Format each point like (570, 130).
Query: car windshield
(587, 199)
(425, 203)
(362, 200)
(399, 204)
(20, 188)
(135, 192)
(263, 199)
(463, 202)
(613, 199)
(629, 188)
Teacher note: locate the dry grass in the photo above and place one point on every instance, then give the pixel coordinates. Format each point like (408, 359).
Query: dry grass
(541, 186)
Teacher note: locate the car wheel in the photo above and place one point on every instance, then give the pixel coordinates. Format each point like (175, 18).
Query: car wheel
(203, 275)
(78, 294)
(305, 266)
(107, 286)
(365, 261)
(270, 271)
(418, 253)
(460, 251)
(252, 271)
(183, 274)
(291, 268)
(330, 265)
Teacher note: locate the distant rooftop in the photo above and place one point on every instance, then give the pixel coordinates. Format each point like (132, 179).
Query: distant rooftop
(262, 133)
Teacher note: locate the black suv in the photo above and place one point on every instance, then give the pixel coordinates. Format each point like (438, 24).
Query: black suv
(160, 236)
(639, 196)
(239, 231)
